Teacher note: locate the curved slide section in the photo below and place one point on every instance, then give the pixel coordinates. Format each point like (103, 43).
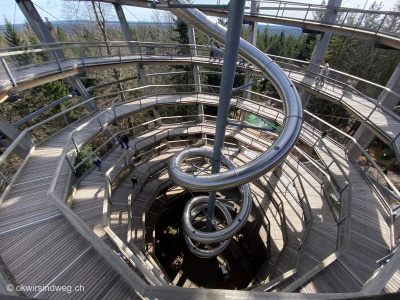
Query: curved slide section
(278, 151)
(197, 204)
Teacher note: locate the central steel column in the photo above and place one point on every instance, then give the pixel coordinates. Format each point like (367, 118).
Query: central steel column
(235, 21)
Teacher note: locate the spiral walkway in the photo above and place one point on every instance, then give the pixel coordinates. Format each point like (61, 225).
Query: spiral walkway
(327, 223)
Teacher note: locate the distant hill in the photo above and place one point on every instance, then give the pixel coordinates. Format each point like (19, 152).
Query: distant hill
(272, 29)
(277, 29)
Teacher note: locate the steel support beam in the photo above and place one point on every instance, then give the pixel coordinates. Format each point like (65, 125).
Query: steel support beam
(45, 37)
(363, 135)
(196, 70)
(321, 45)
(132, 48)
(235, 21)
(11, 134)
(252, 39)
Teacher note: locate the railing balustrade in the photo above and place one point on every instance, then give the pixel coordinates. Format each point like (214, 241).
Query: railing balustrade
(312, 123)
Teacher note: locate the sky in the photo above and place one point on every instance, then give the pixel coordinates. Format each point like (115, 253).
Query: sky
(54, 9)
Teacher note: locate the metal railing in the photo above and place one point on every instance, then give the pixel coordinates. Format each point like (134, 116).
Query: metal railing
(171, 51)
(85, 54)
(377, 22)
(377, 173)
(314, 130)
(316, 125)
(346, 93)
(366, 90)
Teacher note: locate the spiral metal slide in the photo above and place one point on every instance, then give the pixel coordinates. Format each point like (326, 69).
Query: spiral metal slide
(235, 177)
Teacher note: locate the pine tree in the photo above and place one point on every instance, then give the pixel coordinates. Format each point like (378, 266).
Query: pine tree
(182, 30)
(49, 25)
(183, 38)
(60, 34)
(13, 39)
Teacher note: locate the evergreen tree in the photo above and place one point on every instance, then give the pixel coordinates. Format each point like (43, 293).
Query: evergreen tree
(27, 26)
(49, 25)
(12, 37)
(180, 27)
(60, 34)
(182, 30)
(305, 46)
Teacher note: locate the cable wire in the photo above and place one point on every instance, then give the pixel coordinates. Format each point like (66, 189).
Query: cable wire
(78, 33)
(125, 6)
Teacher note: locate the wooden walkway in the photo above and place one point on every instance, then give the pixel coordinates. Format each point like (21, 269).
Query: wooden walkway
(382, 123)
(41, 248)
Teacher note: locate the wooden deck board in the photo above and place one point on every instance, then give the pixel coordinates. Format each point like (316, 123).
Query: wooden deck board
(369, 219)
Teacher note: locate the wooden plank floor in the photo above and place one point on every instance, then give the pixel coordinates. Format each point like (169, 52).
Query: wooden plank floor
(393, 285)
(369, 233)
(37, 243)
(25, 231)
(380, 120)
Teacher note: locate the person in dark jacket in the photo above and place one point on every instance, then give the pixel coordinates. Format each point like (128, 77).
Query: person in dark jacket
(134, 181)
(119, 140)
(125, 139)
(218, 54)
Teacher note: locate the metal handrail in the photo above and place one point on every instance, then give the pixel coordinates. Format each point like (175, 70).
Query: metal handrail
(352, 139)
(359, 79)
(366, 118)
(60, 165)
(367, 156)
(341, 249)
(278, 12)
(161, 45)
(360, 94)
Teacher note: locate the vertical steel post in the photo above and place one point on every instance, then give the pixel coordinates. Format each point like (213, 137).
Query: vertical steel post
(14, 83)
(66, 120)
(81, 55)
(4, 178)
(70, 164)
(101, 126)
(115, 114)
(75, 145)
(29, 138)
(58, 61)
(235, 21)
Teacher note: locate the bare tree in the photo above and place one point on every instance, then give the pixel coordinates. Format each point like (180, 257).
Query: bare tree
(98, 14)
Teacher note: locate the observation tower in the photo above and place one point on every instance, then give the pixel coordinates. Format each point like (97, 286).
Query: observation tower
(222, 207)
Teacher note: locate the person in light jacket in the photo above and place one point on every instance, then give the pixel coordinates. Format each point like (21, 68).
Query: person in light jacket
(324, 72)
(97, 161)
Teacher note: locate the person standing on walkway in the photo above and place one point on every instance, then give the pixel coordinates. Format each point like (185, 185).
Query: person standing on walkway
(211, 53)
(96, 161)
(119, 140)
(134, 181)
(125, 139)
(217, 53)
(324, 72)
